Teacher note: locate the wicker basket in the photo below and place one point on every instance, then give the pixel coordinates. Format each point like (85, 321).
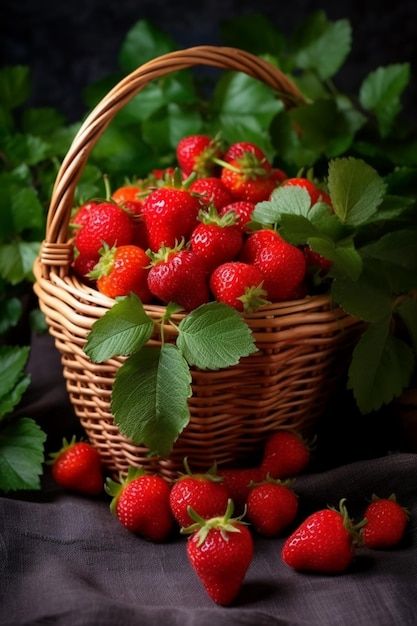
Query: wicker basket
(302, 344)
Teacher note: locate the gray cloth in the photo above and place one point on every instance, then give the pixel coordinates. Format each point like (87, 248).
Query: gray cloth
(65, 560)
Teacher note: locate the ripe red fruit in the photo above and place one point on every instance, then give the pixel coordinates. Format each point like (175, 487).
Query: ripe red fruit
(141, 504)
(316, 194)
(239, 285)
(204, 493)
(241, 149)
(246, 172)
(104, 222)
(211, 191)
(238, 480)
(220, 552)
(323, 543)
(169, 213)
(217, 239)
(81, 214)
(281, 264)
(272, 507)
(278, 175)
(77, 466)
(127, 193)
(195, 154)
(83, 265)
(386, 523)
(285, 454)
(121, 271)
(179, 276)
(243, 212)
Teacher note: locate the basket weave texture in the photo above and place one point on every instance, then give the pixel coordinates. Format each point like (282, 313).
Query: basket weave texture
(302, 344)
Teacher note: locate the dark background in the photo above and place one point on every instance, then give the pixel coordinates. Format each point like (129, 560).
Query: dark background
(68, 45)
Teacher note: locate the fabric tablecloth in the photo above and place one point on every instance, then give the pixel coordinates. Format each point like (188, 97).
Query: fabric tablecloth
(65, 560)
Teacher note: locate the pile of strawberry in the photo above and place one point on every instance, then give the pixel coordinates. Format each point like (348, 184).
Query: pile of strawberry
(184, 235)
(220, 547)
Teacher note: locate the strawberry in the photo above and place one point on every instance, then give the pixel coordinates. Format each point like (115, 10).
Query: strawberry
(278, 175)
(178, 275)
(243, 212)
(323, 543)
(169, 213)
(316, 260)
(127, 193)
(246, 172)
(217, 239)
(81, 214)
(239, 285)
(272, 507)
(316, 194)
(107, 223)
(211, 191)
(220, 551)
(386, 523)
(195, 154)
(77, 466)
(83, 265)
(162, 173)
(237, 481)
(285, 454)
(204, 493)
(281, 264)
(121, 271)
(141, 504)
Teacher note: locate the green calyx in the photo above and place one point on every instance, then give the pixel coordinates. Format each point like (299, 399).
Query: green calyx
(105, 264)
(176, 180)
(65, 446)
(201, 527)
(253, 298)
(269, 480)
(205, 161)
(211, 473)
(211, 216)
(248, 166)
(163, 254)
(114, 489)
(353, 529)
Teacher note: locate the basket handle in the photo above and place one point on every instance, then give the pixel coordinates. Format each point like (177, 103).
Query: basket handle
(55, 251)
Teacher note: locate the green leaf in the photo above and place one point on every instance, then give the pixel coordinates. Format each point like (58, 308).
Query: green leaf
(12, 363)
(37, 321)
(42, 121)
(288, 144)
(121, 153)
(10, 312)
(398, 248)
(346, 259)
(11, 399)
(407, 310)
(321, 45)
(143, 42)
(297, 229)
(122, 330)
(91, 185)
(21, 455)
(253, 32)
(27, 210)
(244, 107)
(16, 260)
(14, 86)
(381, 91)
(290, 200)
(366, 297)
(356, 190)
(25, 149)
(381, 367)
(214, 336)
(164, 129)
(150, 397)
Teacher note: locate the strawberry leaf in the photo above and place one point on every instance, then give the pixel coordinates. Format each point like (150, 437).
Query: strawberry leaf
(290, 200)
(142, 43)
(346, 259)
(381, 367)
(364, 298)
(407, 310)
(149, 399)
(356, 190)
(21, 455)
(123, 330)
(214, 336)
(12, 363)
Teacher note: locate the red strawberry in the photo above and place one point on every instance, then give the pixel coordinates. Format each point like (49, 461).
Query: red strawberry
(272, 507)
(121, 271)
(127, 193)
(195, 154)
(107, 223)
(220, 552)
(204, 493)
(83, 265)
(285, 454)
(323, 543)
(211, 191)
(169, 213)
(243, 212)
(77, 466)
(315, 260)
(141, 504)
(217, 239)
(278, 175)
(281, 264)
(179, 276)
(161, 174)
(239, 285)
(247, 173)
(81, 214)
(237, 481)
(386, 523)
(316, 194)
